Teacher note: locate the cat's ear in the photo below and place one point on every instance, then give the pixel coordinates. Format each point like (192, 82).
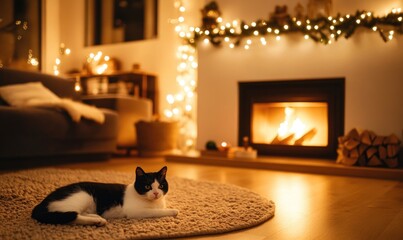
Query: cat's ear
(163, 172)
(139, 172)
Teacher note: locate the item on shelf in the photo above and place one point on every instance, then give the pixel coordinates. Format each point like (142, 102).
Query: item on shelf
(97, 64)
(136, 66)
(97, 85)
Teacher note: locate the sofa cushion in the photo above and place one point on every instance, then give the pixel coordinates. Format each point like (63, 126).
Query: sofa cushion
(38, 131)
(50, 123)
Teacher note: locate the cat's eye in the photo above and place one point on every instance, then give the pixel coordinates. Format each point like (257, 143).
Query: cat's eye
(161, 186)
(147, 187)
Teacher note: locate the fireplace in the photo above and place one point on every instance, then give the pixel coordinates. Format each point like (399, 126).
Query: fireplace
(300, 118)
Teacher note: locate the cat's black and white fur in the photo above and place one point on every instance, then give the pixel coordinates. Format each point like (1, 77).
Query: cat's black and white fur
(90, 203)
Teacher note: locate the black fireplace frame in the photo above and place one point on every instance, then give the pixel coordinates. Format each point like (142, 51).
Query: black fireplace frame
(329, 90)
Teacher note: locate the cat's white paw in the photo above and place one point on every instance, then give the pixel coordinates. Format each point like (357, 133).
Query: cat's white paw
(173, 212)
(90, 219)
(100, 222)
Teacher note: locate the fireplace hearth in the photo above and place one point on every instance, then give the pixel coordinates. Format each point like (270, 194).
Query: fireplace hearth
(300, 118)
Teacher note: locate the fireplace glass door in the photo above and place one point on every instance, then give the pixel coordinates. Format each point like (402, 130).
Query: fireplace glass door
(301, 118)
(290, 123)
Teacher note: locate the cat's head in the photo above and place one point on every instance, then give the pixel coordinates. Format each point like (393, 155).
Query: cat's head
(151, 185)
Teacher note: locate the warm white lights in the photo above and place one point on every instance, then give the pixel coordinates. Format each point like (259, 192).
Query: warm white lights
(181, 105)
(63, 50)
(238, 33)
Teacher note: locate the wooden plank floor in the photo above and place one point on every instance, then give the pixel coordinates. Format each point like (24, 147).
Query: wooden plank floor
(303, 165)
(308, 206)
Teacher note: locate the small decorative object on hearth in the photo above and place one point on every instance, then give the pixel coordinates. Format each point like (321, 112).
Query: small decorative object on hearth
(211, 145)
(245, 151)
(212, 150)
(369, 149)
(224, 146)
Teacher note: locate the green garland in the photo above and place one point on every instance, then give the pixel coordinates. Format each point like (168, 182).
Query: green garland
(322, 30)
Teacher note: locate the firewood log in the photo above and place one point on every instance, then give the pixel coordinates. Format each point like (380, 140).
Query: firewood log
(371, 152)
(351, 144)
(392, 150)
(392, 139)
(353, 134)
(382, 152)
(283, 141)
(349, 161)
(306, 137)
(378, 141)
(368, 149)
(365, 137)
(374, 161)
(392, 162)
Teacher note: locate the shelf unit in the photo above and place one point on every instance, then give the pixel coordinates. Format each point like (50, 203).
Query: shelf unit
(136, 83)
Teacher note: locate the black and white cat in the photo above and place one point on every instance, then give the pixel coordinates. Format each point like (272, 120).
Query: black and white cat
(90, 203)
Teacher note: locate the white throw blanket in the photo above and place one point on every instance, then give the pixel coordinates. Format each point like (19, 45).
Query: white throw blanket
(76, 110)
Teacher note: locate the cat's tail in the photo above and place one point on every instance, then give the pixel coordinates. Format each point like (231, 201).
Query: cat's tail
(41, 214)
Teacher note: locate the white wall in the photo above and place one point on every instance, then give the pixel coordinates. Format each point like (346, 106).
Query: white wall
(372, 68)
(50, 34)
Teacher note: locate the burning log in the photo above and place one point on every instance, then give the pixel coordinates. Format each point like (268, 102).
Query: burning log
(288, 140)
(368, 149)
(284, 141)
(306, 137)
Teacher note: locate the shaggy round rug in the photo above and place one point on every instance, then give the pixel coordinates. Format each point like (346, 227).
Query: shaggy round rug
(204, 208)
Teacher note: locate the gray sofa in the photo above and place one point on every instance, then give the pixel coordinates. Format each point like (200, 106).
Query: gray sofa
(32, 132)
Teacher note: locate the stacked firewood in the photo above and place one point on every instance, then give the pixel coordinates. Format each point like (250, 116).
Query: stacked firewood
(368, 149)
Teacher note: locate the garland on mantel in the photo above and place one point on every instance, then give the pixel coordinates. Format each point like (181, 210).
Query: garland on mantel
(322, 29)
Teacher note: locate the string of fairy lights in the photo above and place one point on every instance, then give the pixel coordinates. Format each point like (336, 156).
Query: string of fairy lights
(63, 51)
(182, 104)
(324, 30)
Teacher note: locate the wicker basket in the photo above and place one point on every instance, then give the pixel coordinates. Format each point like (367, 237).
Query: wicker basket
(156, 138)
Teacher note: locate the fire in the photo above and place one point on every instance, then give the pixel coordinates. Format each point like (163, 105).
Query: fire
(291, 125)
(292, 130)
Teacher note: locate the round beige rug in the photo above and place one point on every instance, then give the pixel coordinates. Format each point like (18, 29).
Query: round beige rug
(205, 208)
